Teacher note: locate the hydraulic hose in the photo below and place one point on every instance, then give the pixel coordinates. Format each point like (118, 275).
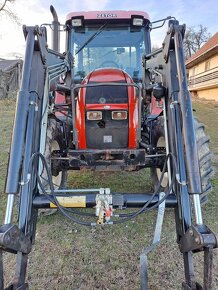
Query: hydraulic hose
(124, 217)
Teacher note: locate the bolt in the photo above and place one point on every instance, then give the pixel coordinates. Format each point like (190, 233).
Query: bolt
(197, 240)
(191, 232)
(7, 239)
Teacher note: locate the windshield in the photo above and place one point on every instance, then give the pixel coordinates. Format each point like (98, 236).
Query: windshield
(108, 45)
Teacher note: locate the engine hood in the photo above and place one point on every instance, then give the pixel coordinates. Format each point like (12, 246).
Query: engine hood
(107, 75)
(99, 93)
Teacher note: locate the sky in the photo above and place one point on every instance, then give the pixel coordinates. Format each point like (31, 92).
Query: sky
(36, 12)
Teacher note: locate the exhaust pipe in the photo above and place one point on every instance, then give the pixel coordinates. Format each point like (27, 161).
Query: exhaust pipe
(55, 33)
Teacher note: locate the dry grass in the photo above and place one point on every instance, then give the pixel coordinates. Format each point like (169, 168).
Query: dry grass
(68, 256)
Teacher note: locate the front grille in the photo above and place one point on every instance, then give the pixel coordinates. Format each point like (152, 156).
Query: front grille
(107, 133)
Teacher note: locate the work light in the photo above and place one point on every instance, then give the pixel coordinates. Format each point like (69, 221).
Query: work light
(137, 21)
(77, 22)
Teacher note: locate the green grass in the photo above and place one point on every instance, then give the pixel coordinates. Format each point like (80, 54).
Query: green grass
(7, 108)
(207, 113)
(69, 256)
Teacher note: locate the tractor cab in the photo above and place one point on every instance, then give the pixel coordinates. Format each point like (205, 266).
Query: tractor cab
(115, 39)
(107, 49)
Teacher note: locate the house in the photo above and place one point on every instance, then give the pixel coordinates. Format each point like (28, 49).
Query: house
(202, 70)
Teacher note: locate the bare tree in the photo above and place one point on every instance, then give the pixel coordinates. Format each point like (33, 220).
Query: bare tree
(6, 10)
(194, 39)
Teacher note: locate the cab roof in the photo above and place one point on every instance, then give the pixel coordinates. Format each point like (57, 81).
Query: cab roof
(115, 14)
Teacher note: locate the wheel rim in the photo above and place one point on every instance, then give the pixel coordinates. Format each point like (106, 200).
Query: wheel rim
(56, 179)
(161, 143)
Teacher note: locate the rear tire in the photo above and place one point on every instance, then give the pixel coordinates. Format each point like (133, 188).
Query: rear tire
(205, 159)
(204, 155)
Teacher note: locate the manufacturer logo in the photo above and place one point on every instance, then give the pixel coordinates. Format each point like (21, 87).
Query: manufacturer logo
(106, 15)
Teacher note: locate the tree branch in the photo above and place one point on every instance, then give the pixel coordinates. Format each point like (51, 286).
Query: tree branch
(3, 5)
(13, 16)
(4, 9)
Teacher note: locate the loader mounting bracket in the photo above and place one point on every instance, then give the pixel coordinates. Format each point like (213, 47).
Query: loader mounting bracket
(200, 238)
(13, 240)
(186, 287)
(197, 238)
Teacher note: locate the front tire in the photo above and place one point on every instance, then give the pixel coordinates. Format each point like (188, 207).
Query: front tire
(54, 141)
(158, 140)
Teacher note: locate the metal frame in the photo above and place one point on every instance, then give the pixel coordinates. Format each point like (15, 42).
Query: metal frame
(110, 159)
(31, 107)
(183, 144)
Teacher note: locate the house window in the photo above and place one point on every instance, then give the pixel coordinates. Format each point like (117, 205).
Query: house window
(207, 65)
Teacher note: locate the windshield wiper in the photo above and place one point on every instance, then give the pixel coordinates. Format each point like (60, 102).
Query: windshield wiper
(101, 28)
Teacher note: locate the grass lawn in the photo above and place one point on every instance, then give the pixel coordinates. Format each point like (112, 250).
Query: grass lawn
(69, 256)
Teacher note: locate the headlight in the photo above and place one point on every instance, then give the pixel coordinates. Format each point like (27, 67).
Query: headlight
(119, 115)
(94, 115)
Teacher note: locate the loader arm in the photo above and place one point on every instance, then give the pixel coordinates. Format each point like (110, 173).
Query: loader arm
(192, 234)
(41, 72)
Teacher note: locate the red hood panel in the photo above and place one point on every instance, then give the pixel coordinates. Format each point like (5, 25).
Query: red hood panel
(106, 75)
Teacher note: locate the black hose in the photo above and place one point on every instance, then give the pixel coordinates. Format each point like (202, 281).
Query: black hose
(124, 217)
(54, 200)
(127, 217)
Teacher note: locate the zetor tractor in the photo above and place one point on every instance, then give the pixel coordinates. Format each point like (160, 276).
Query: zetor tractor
(109, 104)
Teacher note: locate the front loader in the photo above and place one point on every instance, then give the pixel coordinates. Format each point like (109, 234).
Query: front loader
(108, 104)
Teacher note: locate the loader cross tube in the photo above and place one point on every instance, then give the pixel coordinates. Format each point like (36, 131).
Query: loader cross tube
(120, 200)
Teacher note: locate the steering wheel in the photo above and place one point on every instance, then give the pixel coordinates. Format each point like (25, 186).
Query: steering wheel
(108, 63)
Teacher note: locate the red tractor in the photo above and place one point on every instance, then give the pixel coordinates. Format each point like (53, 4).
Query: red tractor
(107, 104)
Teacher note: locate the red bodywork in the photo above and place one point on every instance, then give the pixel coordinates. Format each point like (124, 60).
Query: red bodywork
(107, 75)
(156, 108)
